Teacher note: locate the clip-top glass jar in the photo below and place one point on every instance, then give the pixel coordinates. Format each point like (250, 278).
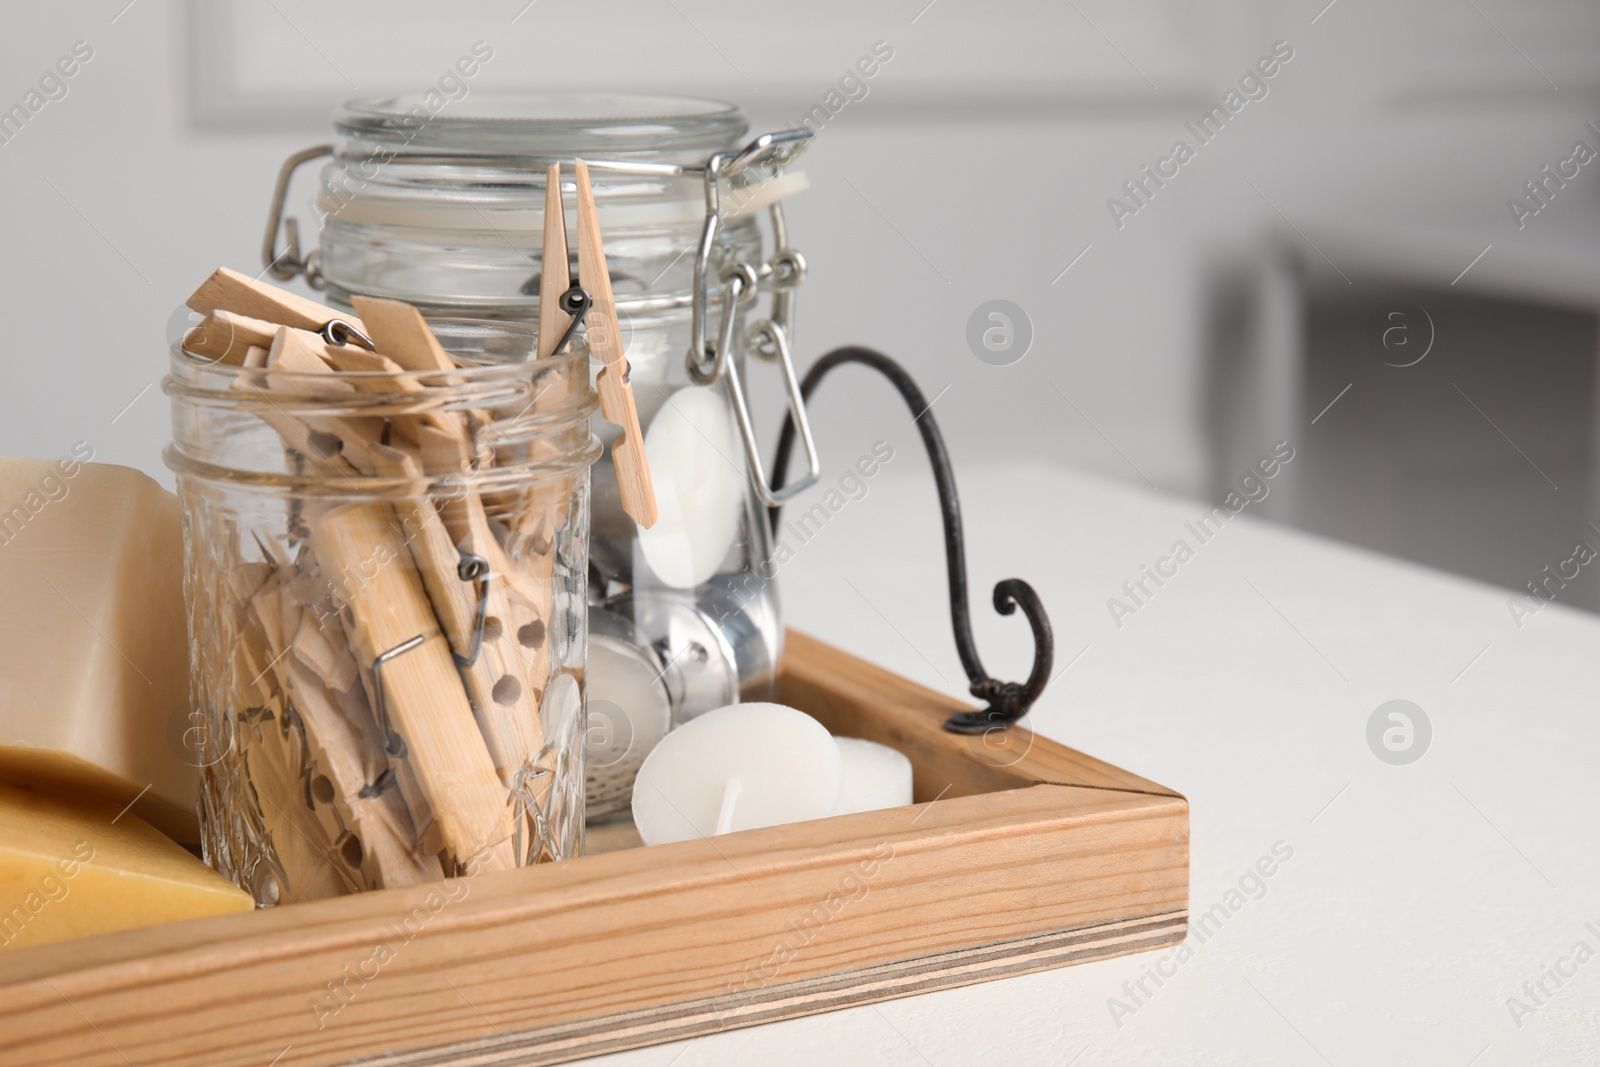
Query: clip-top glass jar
(446, 211)
(385, 577)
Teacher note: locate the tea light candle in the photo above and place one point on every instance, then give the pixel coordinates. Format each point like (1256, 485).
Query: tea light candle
(736, 768)
(629, 713)
(875, 776)
(694, 451)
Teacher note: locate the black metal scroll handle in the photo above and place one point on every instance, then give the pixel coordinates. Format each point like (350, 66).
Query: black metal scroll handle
(1008, 701)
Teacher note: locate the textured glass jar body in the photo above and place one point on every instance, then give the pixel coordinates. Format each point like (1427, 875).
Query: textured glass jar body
(372, 708)
(447, 213)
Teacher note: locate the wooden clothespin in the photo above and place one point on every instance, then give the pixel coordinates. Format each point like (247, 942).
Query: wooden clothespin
(228, 290)
(399, 331)
(616, 395)
(555, 275)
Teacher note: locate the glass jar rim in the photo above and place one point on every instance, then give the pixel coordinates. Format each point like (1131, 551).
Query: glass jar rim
(211, 382)
(537, 123)
(566, 427)
(367, 487)
(487, 381)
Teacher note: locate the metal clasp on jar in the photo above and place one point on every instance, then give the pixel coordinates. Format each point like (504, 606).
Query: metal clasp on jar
(290, 262)
(768, 339)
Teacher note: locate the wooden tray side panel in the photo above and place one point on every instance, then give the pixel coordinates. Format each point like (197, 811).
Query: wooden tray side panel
(557, 1044)
(858, 699)
(736, 923)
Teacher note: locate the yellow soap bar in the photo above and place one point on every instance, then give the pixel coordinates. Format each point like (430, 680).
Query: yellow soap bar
(75, 868)
(94, 682)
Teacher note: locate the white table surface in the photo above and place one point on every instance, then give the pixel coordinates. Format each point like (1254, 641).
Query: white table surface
(1418, 899)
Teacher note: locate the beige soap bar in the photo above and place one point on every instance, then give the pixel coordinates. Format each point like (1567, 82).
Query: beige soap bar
(94, 685)
(75, 868)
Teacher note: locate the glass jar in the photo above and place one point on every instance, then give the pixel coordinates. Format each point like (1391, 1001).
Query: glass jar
(386, 583)
(446, 211)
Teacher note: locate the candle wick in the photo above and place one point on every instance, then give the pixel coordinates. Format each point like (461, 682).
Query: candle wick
(730, 797)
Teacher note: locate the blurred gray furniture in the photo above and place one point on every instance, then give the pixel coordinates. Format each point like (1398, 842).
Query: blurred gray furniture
(1443, 417)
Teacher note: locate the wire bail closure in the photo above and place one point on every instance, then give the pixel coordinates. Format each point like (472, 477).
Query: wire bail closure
(768, 339)
(290, 262)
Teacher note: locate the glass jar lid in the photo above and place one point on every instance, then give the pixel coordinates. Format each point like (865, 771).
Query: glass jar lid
(443, 206)
(541, 125)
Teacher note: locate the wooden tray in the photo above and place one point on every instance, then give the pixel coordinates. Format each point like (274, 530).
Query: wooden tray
(1016, 857)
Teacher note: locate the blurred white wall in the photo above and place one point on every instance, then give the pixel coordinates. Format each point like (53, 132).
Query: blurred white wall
(978, 166)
